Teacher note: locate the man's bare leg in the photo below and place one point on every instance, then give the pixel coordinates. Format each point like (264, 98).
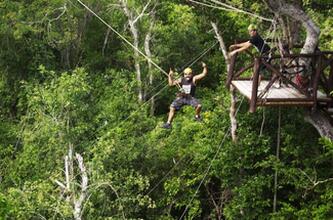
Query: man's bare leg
(171, 114)
(197, 112)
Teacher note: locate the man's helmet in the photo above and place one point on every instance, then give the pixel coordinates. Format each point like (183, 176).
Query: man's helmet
(188, 71)
(252, 27)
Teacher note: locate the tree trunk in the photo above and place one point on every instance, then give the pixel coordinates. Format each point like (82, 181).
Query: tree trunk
(150, 72)
(74, 194)
(296, 13)
(232, 113)
(106, 38)
(321, 123)
(78, 202)
(138, 72)
(135, 34)
(132, 20)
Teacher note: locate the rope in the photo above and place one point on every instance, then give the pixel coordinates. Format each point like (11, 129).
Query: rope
(167, 174)
(200, 55)
(210, 6)
(242, 11)
(278, 158)
(157, 93)
(262, 123)
(123, 38)
(135, 48)
(210, 165)
(230, 8)
(132, 114)
(190, 63)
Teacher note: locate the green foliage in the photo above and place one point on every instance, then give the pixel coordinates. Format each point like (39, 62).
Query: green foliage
(65, 81)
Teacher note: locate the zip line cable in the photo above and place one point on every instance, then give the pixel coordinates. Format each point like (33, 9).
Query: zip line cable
(230, 8)
(164, 177)
(210, 165)
(135, 48)
(210, 6)
(195, 59)
(242, 11)
(167, 174)
(190, 63)
(278, 142)
(156, 94)
(201, 55)
(123, 38)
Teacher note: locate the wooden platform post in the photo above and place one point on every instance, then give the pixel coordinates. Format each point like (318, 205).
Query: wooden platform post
(319, 70)
(253, 102)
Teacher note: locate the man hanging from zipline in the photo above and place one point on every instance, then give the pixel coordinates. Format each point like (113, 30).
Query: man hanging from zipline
(186, 95)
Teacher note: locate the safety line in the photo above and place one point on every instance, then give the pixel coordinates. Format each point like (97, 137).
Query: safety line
(210, 6)
(242, 11)
(230, 8)
(122, 37)
(167, 174)
(190, 63)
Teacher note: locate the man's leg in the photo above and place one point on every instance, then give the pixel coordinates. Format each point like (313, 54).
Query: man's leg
(171, 114)
(197, 111)
(175, 105)
(197, 106)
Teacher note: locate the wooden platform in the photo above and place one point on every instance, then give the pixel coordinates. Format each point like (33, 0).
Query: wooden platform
(277, 96)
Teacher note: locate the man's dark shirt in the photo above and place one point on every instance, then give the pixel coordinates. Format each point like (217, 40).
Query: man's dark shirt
(260, 44)
(188, 86)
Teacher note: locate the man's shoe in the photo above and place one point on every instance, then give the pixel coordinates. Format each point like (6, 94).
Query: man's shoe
(277, 86)
(198, 118)
(166, 125)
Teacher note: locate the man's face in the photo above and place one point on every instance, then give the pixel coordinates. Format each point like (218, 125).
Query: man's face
(252, 32)
(187, 75)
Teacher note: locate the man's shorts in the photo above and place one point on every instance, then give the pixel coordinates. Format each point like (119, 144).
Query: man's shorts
(262, 68)
(181, 101)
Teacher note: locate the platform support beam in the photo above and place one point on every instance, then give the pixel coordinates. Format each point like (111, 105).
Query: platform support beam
(316, 80)
(253, 102)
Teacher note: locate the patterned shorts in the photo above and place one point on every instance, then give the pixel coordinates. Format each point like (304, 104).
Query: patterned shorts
(181, 101)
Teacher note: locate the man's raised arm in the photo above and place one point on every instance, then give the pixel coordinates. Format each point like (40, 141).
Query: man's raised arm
(201, 75)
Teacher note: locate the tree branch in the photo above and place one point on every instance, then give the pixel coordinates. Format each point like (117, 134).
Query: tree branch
(142, 12)
(223, 47)
(84, 186)
(313, 181)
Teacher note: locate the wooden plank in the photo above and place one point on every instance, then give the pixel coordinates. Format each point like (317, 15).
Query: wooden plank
(309, 103)
(287, 93)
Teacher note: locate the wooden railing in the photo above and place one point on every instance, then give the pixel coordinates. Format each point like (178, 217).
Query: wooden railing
(318, 70)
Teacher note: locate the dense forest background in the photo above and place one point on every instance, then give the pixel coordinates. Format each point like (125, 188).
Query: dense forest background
(81, 114)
